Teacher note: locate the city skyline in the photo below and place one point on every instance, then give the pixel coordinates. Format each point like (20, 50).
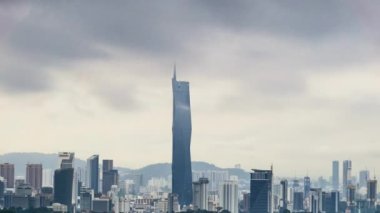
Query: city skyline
(269, 90)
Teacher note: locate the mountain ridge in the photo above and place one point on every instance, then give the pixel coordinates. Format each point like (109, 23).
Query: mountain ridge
(50, 161)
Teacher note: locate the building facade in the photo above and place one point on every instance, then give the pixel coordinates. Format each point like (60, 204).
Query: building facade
(181, 158)
(261, 191)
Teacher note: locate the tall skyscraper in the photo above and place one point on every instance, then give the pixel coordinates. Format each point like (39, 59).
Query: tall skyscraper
(335, 175)
(200, 194)
(7, 171)
(47, 177)
(330, 202)
(64, 187)
(110, 178)
(347, 166)
(284, 195)
(181, 159)
(306, 185)
(229, 196)
(372, 192)
(34, 175)
(363, 178)
(107, 165)
(93, 173)
(261, 191)
(298, 201)
(315, 196)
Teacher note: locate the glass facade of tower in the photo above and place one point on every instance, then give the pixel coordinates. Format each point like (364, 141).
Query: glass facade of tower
(181, 159)
(261, 191)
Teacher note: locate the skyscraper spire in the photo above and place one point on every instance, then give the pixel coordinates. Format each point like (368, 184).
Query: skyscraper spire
(175, 72)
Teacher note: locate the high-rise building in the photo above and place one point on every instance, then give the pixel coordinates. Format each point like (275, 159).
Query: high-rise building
(93, 173)
(306, 186)
(229, 196)
(315, 196)
(2, 189)
(351, 193)
(330, 202)
(215, 178)
(200, 194)
(363, 178)
(335, 175)
(107, 165)
(284, 195)
(34, 175)
(372, 192)
(86, 197)
(173, 205)
(110, 178)
(181, 159)
(298, 201)
(347, 166)
(47, 177)
(261, 191)
(7, 171)
(64, 187)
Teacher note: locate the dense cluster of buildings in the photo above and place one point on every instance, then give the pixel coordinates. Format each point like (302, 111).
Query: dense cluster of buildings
(102, 188)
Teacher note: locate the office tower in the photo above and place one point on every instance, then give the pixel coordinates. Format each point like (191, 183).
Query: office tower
(181, 159)
(34, 175)
(261, 191)
(101, 205)
(64, 187)
(351, 190)
(2, 189)
(66, 160)
(335, 175)
(173, 204)
(229, 196)
(284, 195)
(315, 196)
(200, 194)
(330, 202)
(107, 165)
(48, 193)
(86, 197)
(245, 203)
(215, 178)
(93, 173)
(346, 176)
(298, 201)
(372, 192)
(19, 181)
(47, 177)
(110, 178)
(306, 185)
(363, 178)
(7, 171)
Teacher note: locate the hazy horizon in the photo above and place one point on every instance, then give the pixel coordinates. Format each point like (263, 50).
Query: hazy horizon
(271, 82)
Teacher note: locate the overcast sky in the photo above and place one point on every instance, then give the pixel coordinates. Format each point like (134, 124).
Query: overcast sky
(293, 83)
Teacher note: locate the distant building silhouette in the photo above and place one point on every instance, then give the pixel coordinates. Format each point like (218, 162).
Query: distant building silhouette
(93, 173)
(229, 196)
(372, 192)
(306, 186)
(7, 171)
(181, 161)
(34, 175)
(335, 175)
(107, 165)
(64, 187)
(347, 166)
(200, 194)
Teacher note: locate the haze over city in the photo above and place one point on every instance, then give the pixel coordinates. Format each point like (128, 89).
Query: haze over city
(293, 85)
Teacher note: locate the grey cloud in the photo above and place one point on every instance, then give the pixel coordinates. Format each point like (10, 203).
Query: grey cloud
(60, 33)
